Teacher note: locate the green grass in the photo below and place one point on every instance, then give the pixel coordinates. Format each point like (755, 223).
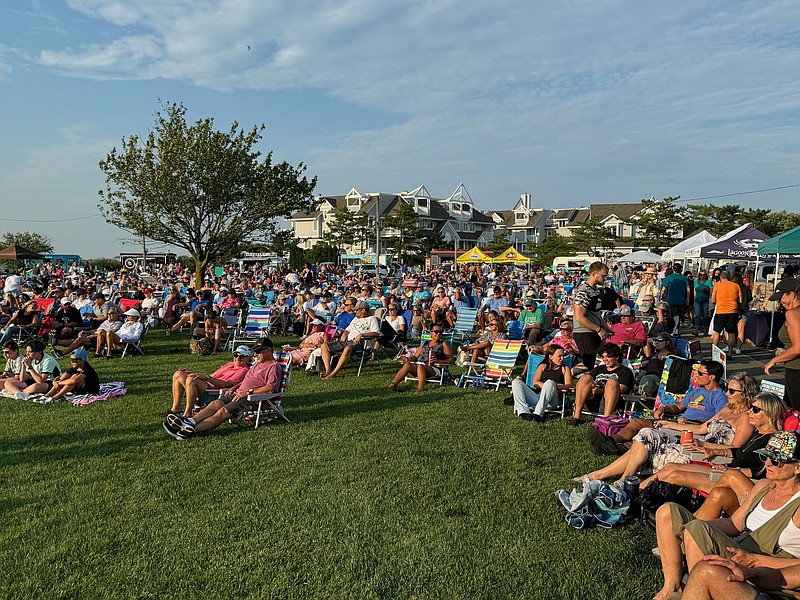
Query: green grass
(367, 494)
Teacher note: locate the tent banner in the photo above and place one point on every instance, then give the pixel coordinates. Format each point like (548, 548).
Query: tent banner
(511, 256)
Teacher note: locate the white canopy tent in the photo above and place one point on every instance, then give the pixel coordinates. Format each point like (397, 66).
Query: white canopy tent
(679, 251)
(639, 257)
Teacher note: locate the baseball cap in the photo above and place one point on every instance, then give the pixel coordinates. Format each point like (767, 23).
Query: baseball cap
(625, 311)
(262, 345)
(66, 301)
(781, 446)
(784, 285)
(243, 350)
(80, 353)
(318, 322)
(361, 305)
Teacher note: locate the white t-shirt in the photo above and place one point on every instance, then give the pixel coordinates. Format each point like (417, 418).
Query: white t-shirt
(366, 325)
(397, 323)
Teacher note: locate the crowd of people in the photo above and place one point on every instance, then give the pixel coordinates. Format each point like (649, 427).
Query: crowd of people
(585, 325)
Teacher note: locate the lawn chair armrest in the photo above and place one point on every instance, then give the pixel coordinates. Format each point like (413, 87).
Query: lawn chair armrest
(473, 364)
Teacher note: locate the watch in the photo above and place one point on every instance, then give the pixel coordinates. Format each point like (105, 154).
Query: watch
(250, 391)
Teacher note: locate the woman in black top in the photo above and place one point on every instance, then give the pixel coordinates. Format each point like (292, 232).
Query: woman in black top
(551, 378)
(428, 361)
(767, 415)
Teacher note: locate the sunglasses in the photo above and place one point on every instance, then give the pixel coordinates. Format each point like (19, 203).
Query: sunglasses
(662, 340)
(439, 331)
(756, 409)
(732, 391)
(566, 328)
(775, 462)
(237, 355)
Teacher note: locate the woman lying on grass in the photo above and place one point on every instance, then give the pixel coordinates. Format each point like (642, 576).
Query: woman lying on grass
(767, 524)
(767, 415)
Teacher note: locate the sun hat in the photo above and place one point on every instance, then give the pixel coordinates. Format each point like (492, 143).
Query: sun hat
(781, 446)
(784, 285)
(132, 312)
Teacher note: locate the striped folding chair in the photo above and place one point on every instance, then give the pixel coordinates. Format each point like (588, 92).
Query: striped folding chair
(498, 367)
(464, 325)
(256, 326)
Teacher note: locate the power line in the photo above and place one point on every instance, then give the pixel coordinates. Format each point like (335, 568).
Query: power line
(52, 220)
(783, 187)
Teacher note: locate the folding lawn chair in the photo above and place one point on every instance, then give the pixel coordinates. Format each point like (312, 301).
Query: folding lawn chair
(534, 360)
(443, 373)
(270, 406)
(256, 326)
(677, 378)
(136, 345)
(498, 367)
(464, 325)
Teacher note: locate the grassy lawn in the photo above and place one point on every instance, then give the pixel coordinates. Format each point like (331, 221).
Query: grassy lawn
(367, 494)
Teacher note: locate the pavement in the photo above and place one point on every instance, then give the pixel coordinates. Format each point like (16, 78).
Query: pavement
(751, 360)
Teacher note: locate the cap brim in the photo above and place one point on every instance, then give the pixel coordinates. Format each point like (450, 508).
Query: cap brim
(775, 297)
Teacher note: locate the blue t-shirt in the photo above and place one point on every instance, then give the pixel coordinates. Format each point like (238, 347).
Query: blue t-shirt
(702, 404)
(343, 319)
(676, 286)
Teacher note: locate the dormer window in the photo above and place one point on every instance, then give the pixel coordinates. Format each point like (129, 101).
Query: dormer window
(520, 217)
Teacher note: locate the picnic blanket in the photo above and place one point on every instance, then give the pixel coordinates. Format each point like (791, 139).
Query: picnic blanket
(107, 390)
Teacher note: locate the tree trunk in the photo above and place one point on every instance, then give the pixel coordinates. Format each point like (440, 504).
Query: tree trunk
(199, 272)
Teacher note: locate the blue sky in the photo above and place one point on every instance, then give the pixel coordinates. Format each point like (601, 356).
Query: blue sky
(573, 102)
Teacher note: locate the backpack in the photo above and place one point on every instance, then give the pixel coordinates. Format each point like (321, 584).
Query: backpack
(661, 492)
(202, 346)
(610, 425)
(792, 421)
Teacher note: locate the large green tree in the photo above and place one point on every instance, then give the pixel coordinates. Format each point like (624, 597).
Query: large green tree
(200, 189)
(499, 242)
(549, 248)
(722, 219)
(30, 240)
(594, 239)
(341, 228)
(403, 225)
(662, 222)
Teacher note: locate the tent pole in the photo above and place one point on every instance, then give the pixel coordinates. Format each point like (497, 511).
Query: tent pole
(772, 317)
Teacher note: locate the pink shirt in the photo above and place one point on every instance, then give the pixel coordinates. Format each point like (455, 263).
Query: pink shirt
(231, 372)
(261, 374)
(626, 333)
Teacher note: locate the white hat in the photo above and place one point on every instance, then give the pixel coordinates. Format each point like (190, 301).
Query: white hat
(318, 322)
(66, 300)
(132, 313)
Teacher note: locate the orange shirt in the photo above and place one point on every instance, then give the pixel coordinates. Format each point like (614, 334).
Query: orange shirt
(726, 296)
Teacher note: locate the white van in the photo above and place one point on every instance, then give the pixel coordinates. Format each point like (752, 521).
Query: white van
(573, 263)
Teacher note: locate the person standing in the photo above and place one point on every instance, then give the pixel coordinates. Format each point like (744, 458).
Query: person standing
(788, 293)
(589, 329)
(702, 296)
(675, 292)
(726, 296)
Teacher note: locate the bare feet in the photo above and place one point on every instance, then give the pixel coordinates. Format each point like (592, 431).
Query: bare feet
(665, 594)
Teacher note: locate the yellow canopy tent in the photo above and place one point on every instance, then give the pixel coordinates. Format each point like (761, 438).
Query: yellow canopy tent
(473, 256)
(511, 256)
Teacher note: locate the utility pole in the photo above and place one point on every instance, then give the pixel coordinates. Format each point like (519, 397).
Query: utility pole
(377, 233)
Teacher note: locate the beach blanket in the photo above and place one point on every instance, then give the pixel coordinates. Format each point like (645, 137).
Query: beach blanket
(107, 390)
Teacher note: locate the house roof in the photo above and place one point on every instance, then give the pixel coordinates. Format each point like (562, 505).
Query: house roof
(622, 211)
(580, 216)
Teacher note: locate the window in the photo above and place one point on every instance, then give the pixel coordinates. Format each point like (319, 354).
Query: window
(520, 217)
(422, 202)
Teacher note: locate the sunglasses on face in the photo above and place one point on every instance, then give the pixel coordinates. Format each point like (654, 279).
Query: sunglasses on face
(437, 331)
(702, 373)
(776, 462)
(237, 355)
(756, 409)
(661, 340)
(732, 391)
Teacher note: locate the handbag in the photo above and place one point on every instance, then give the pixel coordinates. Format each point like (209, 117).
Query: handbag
(202, 346)
(661, 492)
(610, 425)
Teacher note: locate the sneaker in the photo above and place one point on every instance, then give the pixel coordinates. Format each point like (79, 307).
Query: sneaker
(180, 423)
(175, 433)
(21, 396)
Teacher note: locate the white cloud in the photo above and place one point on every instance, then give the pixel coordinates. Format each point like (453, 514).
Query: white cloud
(571, 97)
